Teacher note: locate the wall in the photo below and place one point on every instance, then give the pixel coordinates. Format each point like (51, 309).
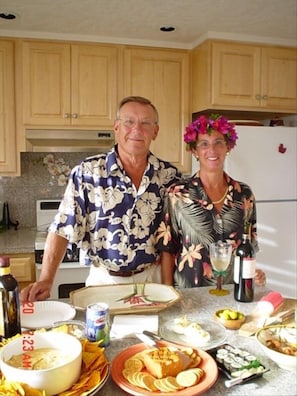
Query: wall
(43, 176)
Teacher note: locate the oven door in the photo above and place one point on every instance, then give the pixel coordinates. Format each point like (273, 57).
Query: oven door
(69, 277)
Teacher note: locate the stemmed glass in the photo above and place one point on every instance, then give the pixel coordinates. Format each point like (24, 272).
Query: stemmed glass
(220, 257)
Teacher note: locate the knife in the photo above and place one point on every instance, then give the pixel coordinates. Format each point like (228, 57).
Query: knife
(147, 339)
(236, 381)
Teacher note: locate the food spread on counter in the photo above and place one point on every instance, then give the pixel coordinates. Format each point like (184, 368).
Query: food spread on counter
(166, 369)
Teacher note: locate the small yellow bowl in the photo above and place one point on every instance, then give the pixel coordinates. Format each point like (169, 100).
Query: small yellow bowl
(232, 324)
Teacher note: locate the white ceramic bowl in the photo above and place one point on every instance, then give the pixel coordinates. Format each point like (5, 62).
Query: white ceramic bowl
(53, 380)
(275, 334)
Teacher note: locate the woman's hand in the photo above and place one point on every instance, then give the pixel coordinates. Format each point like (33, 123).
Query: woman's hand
(260, 278)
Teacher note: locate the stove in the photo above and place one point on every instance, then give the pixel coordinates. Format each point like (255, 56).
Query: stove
(70, 275)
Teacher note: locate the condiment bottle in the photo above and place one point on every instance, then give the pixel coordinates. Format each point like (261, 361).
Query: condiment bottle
(244, 268)
(10, 323)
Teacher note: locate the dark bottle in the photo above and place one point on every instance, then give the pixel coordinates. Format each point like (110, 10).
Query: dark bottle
(10, 323)
(244, 268)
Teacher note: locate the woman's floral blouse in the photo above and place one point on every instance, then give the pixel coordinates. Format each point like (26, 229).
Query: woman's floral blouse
(190, 223)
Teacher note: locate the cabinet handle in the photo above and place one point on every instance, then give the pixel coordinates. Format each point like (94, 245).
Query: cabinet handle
(265, 97)
(258, 97)
(74, 115)
(66, 115)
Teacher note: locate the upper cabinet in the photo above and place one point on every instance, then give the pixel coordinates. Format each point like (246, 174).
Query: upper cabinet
(69, 84)
(244, 77)
(162, 76)
(8, 146)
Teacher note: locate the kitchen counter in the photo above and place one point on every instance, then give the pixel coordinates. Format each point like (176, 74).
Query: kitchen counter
(17, 241)
(198, 300)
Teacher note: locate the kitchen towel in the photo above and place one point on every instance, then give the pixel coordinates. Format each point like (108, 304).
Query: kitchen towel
(125, 325)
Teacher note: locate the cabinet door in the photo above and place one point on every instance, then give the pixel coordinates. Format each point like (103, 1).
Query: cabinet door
(8, 153)
(162, 77)
(279, 83)
(236, 75)
(46, 79)
(23, 268)
(93, 85)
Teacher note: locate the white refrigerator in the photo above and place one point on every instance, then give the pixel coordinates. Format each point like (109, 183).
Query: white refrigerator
(265, 158)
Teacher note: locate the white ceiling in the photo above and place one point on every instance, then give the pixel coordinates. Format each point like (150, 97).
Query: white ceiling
(139, 21)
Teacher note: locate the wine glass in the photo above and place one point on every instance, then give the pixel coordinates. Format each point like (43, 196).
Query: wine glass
(220, 256)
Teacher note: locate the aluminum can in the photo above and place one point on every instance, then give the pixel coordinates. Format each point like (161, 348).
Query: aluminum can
(98, 323)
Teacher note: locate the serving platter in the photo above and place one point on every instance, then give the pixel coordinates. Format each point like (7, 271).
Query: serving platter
(216, 331)
(42, 314)
(207, 364)
(127, 298)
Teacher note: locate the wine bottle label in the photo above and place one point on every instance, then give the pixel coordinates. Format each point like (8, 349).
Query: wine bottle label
(248, 270)
(4, 271)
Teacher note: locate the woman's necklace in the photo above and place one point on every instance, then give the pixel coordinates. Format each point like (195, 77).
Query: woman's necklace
(221, 199)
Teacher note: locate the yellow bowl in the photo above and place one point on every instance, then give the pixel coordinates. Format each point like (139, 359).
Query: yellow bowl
(232, 324)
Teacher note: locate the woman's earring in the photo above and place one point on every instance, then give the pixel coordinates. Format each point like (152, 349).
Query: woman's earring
(197, 159)
(228, 152)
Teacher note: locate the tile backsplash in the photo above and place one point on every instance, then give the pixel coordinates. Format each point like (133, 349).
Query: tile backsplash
(43, 176)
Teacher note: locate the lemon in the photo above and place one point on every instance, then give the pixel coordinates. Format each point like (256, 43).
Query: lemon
(233, 315)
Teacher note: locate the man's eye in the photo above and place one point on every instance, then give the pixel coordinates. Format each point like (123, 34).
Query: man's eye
(129, 123)
(146, 124)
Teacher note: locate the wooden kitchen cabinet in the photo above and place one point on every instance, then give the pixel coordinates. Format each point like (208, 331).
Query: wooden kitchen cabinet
(23, 268)
(244, 77)
(69, 84)
(8, 145)
(162, 76)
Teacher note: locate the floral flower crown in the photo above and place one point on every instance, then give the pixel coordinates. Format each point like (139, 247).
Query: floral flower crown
(206, 125)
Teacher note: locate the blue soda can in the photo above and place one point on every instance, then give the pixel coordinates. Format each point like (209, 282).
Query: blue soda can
(98, 323)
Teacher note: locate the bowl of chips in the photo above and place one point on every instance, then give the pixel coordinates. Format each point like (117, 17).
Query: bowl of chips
(49, 361)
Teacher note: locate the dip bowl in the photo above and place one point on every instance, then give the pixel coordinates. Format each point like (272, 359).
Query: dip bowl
(279, 343)
(53, 380)
(230, 318)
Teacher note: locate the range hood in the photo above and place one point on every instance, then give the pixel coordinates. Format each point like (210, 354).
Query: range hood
(66, 140)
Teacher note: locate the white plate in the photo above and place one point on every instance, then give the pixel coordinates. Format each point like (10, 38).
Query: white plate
(216, 331)
(42, 314)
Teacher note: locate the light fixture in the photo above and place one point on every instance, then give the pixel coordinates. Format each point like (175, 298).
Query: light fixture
(167, 28)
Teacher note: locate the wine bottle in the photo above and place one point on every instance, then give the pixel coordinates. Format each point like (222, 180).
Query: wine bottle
(244, 268)
(10, 323)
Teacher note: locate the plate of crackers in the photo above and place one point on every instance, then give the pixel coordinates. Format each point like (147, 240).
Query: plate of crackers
(193, 374)
(95, 371)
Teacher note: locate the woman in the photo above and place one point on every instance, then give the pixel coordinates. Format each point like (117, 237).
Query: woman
(207, 207)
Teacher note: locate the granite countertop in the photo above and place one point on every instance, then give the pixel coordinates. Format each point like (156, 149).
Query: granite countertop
(199, 302)
(17, 241)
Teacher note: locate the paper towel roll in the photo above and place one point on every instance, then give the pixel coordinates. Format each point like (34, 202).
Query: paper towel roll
(269, 303)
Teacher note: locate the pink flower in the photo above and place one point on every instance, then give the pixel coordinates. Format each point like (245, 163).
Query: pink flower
(203, 125)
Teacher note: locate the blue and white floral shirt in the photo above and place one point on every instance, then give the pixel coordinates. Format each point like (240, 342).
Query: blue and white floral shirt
(104, 214)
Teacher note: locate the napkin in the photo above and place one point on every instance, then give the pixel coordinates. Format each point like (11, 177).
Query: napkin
(125, 325)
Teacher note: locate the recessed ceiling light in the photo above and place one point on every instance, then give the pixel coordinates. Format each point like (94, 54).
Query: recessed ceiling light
(167, 28)
(7, 15)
